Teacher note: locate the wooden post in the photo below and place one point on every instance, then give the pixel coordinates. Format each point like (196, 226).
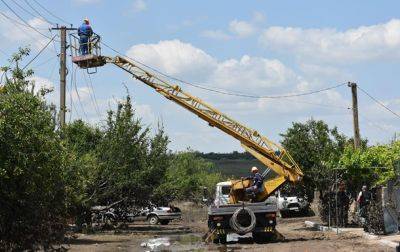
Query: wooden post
(63, 70)
(357, 139)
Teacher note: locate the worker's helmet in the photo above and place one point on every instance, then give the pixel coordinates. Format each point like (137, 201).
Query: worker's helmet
(254, 169)
(86, 20)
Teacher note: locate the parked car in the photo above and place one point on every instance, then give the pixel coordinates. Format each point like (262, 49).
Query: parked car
(291, 204)
(156, 215)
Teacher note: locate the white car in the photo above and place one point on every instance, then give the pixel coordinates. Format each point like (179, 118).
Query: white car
(157, 215)
(289, 204)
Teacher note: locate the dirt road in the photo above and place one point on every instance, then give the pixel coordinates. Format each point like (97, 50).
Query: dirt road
(176, 237)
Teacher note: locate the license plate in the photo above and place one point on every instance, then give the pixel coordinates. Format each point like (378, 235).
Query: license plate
(294, 208)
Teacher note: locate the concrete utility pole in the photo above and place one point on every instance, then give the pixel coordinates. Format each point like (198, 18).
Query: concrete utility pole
(63, 70)
(357, 139)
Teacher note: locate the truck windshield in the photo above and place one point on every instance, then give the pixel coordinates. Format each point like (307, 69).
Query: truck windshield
(226, 190)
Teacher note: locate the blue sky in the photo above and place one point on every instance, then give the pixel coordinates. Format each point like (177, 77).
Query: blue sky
(257, 47)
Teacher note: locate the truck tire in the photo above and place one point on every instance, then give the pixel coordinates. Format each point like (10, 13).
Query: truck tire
(243, 220)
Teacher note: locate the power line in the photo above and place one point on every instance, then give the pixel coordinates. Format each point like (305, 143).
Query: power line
(44, 62)
(227, 92)
(52, 14)
(21, 29)
(22, 8)
(77, 94)
(19, 17)
(40, 15)
(69, 90)
(91, 94)
(18, 22)
(37, 55)
(378, 102)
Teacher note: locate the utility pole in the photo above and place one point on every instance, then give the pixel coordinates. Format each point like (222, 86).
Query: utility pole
(357, 139)
(63, 69)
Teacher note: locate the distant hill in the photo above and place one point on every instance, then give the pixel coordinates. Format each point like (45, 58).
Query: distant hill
(233, 165)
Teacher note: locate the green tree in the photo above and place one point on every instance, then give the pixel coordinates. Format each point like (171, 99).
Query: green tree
(371, 166)
(80, 141)
(32, 196)
(186, 177)
(131, 163)
(317, 149)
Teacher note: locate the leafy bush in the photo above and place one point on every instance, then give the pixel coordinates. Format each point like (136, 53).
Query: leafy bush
(32, 195)
(186, 177)
(371, 166)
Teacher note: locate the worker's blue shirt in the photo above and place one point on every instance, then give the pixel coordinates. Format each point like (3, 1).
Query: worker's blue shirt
(257, 180)
(85, 30)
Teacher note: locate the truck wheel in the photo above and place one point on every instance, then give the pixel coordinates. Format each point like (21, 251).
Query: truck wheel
(164, 222)
(153, 220)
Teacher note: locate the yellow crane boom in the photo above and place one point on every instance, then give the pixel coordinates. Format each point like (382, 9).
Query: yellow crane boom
(269, 153)
(266, 151)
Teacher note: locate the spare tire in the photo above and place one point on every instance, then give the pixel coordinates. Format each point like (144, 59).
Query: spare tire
(243, 220)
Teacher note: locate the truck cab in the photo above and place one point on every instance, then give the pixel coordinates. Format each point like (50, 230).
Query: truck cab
(257, 218)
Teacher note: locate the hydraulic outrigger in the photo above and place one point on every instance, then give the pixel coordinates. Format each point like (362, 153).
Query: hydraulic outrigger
(272, 155)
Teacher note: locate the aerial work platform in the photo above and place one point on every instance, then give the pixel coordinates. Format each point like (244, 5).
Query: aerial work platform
(93, 58)
(89, 61)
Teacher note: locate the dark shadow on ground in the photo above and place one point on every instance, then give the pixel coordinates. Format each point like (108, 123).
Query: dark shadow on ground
(88, 241)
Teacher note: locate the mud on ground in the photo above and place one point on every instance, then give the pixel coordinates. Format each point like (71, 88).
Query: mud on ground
(185, 236)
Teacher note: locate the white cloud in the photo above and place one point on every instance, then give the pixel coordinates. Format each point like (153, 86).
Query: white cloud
(242, 28)
(251, 75)
(174, 57)
(253, 72)
(215, 34)
(139, 5)
(17, 33)
(259, 76)
(381, 41)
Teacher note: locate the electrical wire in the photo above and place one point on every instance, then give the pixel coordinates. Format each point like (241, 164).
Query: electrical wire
(21, 29)
(91, 94)
(73, 107)
(378, 102)
(52, 14)
(20, 18)
(18, 22)
(79, 97)
(228, 92)
(23, 8)
(37, 12)
(44, 62)
(41, 50)
(94, 93)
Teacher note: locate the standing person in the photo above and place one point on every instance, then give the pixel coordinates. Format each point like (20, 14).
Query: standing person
(84, 32)
(257, 184)
(363, 199)
(343, 202)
